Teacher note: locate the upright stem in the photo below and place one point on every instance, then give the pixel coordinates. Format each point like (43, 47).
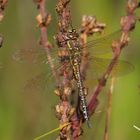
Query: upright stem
(108, 112)
(44, 19)
(3, 4)
(64, 108)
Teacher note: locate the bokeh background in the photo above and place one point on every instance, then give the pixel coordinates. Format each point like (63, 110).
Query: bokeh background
(25, 115)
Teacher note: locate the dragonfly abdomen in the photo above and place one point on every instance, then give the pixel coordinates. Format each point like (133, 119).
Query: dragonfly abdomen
(82, 97)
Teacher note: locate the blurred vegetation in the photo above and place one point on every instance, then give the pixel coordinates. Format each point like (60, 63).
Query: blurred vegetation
(23, 116)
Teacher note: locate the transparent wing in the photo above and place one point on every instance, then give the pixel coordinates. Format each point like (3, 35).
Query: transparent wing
(37, 83)
(97, 67)
(42, 82)
(35, 55)
(103, 44)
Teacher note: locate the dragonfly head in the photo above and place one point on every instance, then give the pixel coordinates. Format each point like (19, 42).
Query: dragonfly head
(72, 34)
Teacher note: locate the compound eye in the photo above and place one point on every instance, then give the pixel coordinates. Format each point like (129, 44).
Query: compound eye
(73, 30)
(70, 31)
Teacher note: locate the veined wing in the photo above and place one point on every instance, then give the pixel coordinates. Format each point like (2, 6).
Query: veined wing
(35, 55)
(36, 84)
(97, 67)
(102, 45)
(42, 82)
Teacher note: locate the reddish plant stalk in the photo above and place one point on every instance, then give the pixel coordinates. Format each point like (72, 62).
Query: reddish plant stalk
(64, 108)
(3, 4)
(44, 20)
(109, 107)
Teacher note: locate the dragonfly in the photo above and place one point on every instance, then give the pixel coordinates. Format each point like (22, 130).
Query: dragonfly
(75, 61)
(97, 64)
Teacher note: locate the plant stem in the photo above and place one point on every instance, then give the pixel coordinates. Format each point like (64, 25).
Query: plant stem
(108, 112)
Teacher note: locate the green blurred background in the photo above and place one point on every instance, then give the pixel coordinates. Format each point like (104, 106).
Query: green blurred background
(25, 115)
